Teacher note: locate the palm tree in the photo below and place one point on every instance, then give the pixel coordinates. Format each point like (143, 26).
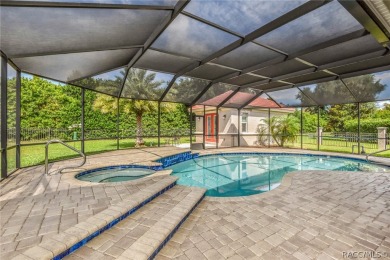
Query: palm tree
(282, 128)
(142, 87)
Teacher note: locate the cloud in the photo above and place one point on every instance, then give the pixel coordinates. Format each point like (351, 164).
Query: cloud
(242, 16)
(191, 38)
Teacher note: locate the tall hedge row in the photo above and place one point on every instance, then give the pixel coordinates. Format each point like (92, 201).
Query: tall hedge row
(368, 125)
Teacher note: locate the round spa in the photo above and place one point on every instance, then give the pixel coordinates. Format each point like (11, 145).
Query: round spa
(114, 174)
(242, 174)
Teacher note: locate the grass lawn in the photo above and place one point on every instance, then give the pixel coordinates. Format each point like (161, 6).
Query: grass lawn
(311, 144)
(35, 154)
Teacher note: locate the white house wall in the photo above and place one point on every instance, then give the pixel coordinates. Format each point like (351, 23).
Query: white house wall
(228, 127)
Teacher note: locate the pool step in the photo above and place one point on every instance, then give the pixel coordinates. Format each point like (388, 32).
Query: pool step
(68, 241)
(143, 234)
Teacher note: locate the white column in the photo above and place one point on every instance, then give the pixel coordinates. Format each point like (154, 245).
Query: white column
(382, 138)
(319, 134)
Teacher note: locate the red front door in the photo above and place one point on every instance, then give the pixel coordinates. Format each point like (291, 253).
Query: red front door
(210, 127)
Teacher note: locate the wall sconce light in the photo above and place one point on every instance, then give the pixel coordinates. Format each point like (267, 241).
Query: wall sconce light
(224, 117)
(198, 118)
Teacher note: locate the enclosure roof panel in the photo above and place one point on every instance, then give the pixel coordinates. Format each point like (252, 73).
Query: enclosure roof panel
(69, 67)
(242, 16)
(259, 45)
(33, 31)
(239, 98)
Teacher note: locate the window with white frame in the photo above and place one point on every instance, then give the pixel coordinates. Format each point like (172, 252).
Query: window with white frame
(244, 123)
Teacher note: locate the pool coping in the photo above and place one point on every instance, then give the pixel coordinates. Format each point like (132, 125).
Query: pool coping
(383, 161)
(161, 165)
(287, 178)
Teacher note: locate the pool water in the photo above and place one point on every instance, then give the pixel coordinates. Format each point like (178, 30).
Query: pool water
(115, 174)
(241, 175)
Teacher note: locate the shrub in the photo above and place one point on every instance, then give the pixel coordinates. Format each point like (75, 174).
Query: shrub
(368, 125)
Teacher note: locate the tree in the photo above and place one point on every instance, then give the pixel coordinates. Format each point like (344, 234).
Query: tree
(140, 85)
(282, 128)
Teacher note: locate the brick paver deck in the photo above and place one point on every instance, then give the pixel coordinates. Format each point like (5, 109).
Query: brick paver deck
(319, 216)
(138, 236)
(34, 206)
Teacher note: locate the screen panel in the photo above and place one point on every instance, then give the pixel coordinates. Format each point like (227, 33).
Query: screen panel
(243, 15)
(272, 85)
(241, 97)
(11, 118)
(370, 87)
(145, 84)
(308, 77)
(64, 30)
(210, 71)
(362, 65)
(282, 68)
(246, 56)
(290, 97)
(263, 101)
(216, 94)
(244, 79)
(69, 67)
(168, 3)
(108, 82)
(191, 38)
(160, 61)
(185, 90)
(325, 23)
(328, 93)
(345, 50)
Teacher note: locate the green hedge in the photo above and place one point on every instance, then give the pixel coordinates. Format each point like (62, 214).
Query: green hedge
(368, 125)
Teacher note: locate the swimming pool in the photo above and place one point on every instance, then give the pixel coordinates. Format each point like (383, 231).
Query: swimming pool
(230, 175)
(114, 174)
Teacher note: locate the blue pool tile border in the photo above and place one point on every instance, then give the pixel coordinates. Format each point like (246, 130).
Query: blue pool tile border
(111, 224)
(185, 156)
(299, 154)
(176, 158)
(166, 240)
(164, 161)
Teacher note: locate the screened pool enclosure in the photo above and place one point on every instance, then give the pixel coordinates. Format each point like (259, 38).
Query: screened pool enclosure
(206, 54)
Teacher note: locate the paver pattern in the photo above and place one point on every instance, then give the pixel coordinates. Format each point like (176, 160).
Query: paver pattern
(141, 233)
(33, 205)
(319, 216)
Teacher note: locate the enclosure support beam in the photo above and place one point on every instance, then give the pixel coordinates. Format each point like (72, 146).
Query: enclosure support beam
(3, 111)
(204, 127)
(358, 111)
(228, 97)
(202, 93)
(238, 127)
(217, 128)
(167, 89)
(117, 123)
(180, 5)
(359, 11)
(251, 100)
(318, 128)
(269, 127)
(83, 120)
(190, 127)
(301, 127)
(17, 115)
(159, 123)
